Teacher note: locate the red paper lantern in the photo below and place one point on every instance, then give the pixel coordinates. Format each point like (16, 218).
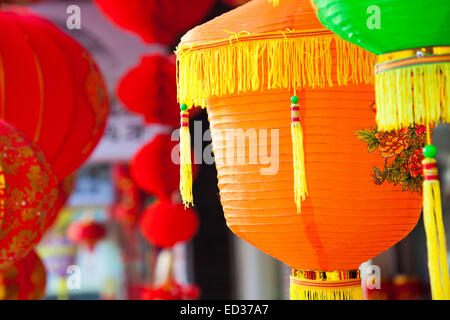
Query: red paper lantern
(150, 89)
(164, 224)
(191, 292)
(51, 79)
(156, 20)
(154, 170)
(27, 194)
(86, 232)
(235, 3)
(25, 280)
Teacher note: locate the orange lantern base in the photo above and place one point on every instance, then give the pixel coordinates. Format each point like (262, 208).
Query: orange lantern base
(321, 285)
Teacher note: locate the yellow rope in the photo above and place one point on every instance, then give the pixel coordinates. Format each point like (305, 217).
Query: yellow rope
(277, 60)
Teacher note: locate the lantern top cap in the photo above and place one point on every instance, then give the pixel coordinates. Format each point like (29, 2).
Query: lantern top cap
(256, 17)
(261, 47)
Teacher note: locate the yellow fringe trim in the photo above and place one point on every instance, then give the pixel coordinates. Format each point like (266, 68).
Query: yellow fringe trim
(300, 185)
(276, 60)
(436, 242)
(418, 94)
(329, 288)
(275, 3)
(185, 167)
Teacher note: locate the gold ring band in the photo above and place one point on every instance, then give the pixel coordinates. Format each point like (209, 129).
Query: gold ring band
(325, 275)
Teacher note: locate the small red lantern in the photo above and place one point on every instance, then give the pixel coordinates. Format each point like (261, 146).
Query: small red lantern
(191, 292)
(164, 224)
(150, 89)
(154, 167)
(156, 20)
(51, 89)
(27, 194)
(24, 280)
(86, 232)
(172, 290)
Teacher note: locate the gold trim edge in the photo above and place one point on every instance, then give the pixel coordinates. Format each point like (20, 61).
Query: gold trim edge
(325, 275)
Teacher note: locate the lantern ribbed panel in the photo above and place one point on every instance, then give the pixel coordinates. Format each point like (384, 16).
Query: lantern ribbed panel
(347, 218)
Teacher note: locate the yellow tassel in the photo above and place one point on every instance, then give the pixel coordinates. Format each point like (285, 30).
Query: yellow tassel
(275, 3)
(412, 91)
(185, 159)
(62, 292)
(300, 185)
(320, 285)
(434, 228)
(275, 60)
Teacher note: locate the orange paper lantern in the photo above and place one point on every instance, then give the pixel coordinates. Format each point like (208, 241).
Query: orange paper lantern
(347, 216)
(51, 89)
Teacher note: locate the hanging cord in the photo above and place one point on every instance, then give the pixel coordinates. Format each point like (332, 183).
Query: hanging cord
(433, 222)
(300, 185)
(185, 158)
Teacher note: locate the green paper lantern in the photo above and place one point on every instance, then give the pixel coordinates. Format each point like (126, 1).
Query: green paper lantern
(412, 41)
(389, 25)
